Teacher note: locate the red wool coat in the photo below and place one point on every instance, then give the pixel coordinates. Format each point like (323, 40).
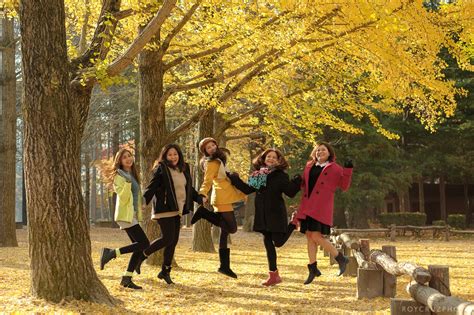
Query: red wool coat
(320, 204)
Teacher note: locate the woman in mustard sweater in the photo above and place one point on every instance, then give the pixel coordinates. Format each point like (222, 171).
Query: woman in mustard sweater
(122, 177)
(222, 197)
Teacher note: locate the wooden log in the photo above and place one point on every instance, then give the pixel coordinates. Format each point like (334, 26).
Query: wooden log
(365, 248)
(406, 306)
(347, 240)
(326, 253)
(462, 232)
(369, 283)
(351, 268)
(362, 262)
(437, 302)
(440, 279)
(362, 230)
(419, 274)
(389, 280)
(346, 250)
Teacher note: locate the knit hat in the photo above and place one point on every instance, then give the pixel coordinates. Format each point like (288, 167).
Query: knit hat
(204, 142)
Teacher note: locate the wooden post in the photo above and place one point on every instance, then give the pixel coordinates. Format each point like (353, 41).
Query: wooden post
(346, 250)
(369, 283)
(406, 306)
(365, 248)
(351, 269)
(446, 233)
(440, 279)
(326, 253)
(393, 232)
(389, 280)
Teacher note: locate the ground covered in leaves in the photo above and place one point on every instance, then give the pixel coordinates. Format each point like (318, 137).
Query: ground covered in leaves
(199, 288)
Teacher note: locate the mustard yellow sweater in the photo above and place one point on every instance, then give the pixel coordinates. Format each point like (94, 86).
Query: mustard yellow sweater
(223, 194)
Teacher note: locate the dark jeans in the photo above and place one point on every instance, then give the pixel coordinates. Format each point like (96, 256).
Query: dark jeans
(139, 243)
(170, 228)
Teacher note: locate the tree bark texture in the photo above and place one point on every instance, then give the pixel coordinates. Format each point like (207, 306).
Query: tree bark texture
(7, 136)
(58, 229)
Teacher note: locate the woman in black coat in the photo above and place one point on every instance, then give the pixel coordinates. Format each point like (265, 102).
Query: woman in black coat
(270, 182)
(173, 194)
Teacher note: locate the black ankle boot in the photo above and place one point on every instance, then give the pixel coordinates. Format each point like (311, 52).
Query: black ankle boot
(141, 259)
(224, 257)
(342, 261)
(106, 255)
(128, 283)
(313, 272)
(165, 274)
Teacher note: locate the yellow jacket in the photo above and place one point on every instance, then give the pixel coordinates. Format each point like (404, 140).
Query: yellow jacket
(223, 193)
(124, 204)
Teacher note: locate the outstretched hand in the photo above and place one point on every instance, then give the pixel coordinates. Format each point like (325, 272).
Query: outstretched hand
(348, 164)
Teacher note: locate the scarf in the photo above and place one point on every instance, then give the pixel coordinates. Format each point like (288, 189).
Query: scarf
(258, 178)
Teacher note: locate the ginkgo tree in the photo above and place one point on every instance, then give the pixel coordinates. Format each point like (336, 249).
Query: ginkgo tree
(301, 61)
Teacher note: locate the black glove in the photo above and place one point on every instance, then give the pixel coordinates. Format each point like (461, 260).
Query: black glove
(297, 179)
(348, 164)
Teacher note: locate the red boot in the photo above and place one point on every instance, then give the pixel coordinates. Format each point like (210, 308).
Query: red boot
(273, 278)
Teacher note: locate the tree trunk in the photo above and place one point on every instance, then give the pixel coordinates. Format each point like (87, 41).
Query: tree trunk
(202, 239)
(152, 128)
(7, 136)
(87, 180)
(442, 197)
(467, 206)
(93, 184)
(58, 229)
(421, 195)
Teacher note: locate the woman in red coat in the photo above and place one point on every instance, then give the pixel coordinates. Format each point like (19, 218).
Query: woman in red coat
(321, 177)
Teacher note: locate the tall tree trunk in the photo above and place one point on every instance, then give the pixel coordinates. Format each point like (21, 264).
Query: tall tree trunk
(421, 194)
(442, 197)
(152, 128)
(467, 206)
(7, 136)
(93, 184)
(202, 239)
(401, 201)
(58, 229)
(87, 181)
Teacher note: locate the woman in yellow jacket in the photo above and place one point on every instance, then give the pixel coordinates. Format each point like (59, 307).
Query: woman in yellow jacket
(122, 177)
(222, 197)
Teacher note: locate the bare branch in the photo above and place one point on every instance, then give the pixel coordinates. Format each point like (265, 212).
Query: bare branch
(104, 31)
(230, 122)
(145, 36)
(174, 134)
(200, 54)
(232, 73)
(256, 135)
(166, 43)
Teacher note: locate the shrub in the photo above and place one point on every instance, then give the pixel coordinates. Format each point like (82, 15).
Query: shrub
(403, 218)
(457, 221)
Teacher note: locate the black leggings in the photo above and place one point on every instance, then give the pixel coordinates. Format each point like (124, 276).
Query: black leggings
(139, 243)
(170, 228)
(228, 225)
(272, 240)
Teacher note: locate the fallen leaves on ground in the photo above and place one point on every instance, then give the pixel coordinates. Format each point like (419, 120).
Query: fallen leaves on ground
(200, 288)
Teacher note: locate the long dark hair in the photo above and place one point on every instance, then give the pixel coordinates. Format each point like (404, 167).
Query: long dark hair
(162, 157)
(259, 161)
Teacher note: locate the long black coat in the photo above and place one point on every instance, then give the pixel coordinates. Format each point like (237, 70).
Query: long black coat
(270, 208)
(161, 191)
